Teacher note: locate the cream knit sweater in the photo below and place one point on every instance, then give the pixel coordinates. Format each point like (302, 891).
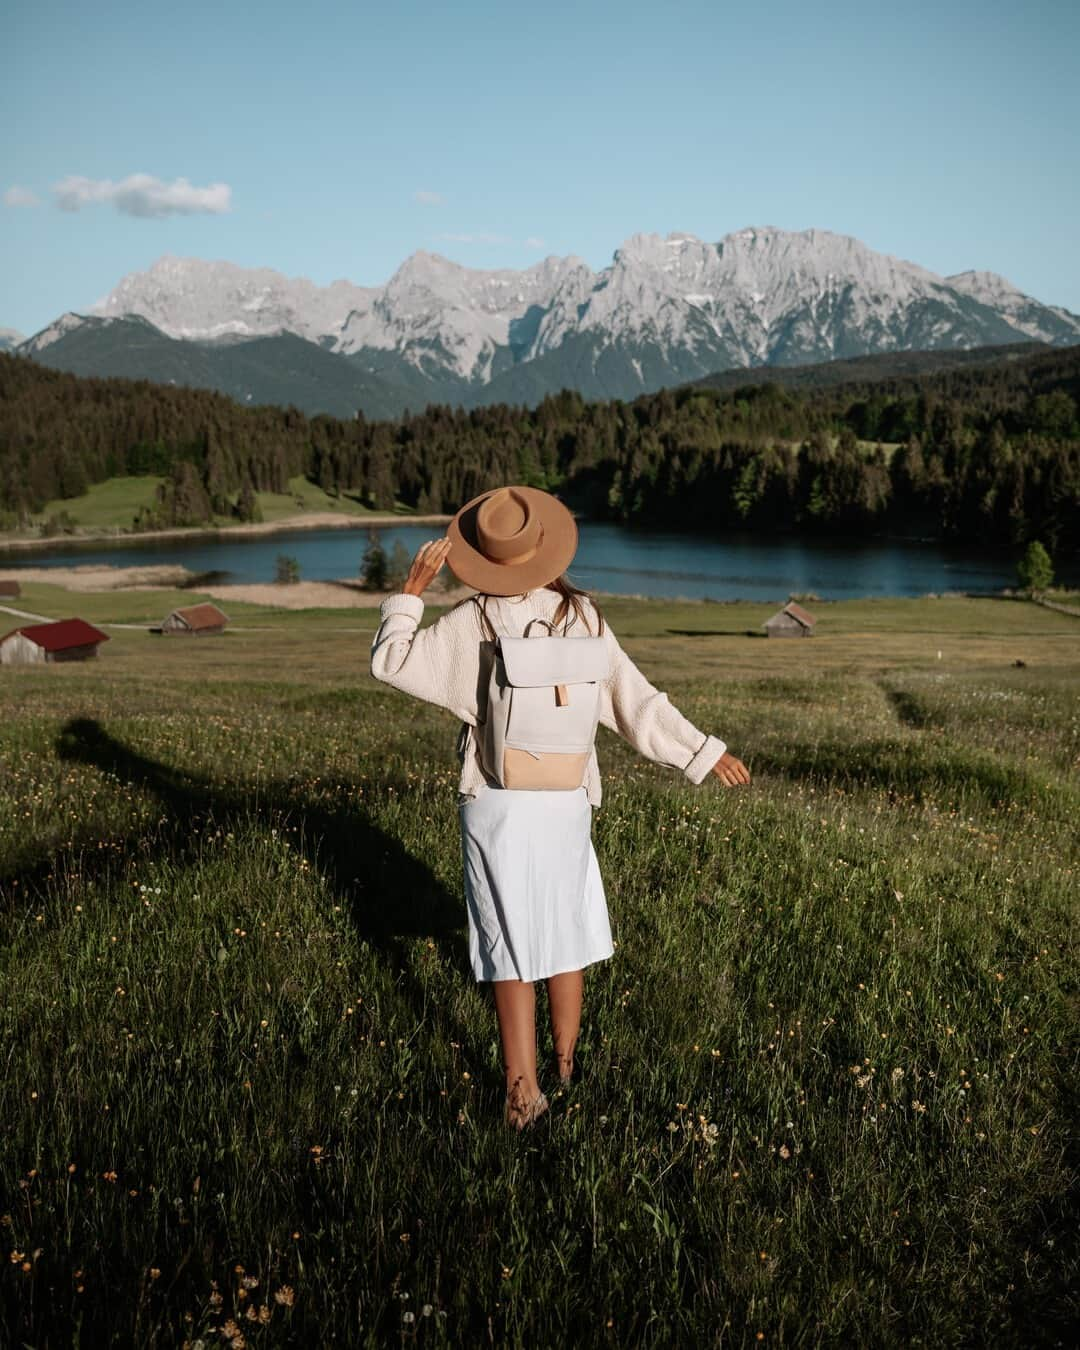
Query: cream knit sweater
(448, 663)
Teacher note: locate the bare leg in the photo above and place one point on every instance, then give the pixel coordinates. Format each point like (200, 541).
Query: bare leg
(515, 1004)
(565, 993)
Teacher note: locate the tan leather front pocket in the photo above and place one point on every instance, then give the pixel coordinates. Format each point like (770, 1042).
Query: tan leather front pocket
(558, 771)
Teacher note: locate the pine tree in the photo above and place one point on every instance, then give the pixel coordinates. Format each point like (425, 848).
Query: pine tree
(397, 567)
(374, 567)
(286, 570)
(248, 508)
(185, 498)
(216, 475)
(744, 493)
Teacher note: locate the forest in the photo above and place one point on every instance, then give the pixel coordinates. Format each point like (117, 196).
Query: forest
(988, 454)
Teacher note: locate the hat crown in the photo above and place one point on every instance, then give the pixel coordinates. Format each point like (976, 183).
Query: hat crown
(507, 528)
(511, 539)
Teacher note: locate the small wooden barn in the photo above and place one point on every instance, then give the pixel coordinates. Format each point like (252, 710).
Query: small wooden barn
(65, 640)
(791, 621)
(9, 587)
(196, 620)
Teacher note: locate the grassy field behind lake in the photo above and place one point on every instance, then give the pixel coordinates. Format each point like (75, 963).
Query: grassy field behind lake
(114, 504)
(252, 1095)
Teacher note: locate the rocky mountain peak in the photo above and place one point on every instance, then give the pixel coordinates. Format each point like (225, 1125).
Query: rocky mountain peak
(668, 308)
(983, 284)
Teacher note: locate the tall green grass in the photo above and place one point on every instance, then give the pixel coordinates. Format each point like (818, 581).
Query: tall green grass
(828, 1083)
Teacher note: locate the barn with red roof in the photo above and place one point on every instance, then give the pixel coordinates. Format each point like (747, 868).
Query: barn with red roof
(196, 619)
(64, 640)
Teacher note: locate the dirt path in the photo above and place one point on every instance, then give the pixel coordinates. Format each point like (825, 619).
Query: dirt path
(25, 614)
(1061, 609)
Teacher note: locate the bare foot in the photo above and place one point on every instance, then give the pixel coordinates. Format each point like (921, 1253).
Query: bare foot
(520, 1114)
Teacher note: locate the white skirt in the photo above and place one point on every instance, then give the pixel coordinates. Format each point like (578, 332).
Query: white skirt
(533, 889)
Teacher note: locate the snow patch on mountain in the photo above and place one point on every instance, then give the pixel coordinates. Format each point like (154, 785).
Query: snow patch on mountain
(433, 310)
(681, 305)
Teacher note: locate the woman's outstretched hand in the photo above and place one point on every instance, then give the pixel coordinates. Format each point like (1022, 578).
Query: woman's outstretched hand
(731, 771)
(425, 566)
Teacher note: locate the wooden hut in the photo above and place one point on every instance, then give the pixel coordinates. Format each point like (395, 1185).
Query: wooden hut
(65, 640)
(9, 588)
(196, 620)
(791, 621)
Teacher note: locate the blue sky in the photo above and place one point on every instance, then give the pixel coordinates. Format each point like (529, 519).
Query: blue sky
(342, 137)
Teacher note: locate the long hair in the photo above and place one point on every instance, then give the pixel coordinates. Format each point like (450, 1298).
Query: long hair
(573, 600)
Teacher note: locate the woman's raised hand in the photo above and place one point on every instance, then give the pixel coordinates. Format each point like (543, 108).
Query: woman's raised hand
(731, 771)
(425, 566)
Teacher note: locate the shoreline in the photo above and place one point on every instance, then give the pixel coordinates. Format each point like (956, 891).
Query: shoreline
(309, 520)
(336, 520)
(108, 578)
(347, 592)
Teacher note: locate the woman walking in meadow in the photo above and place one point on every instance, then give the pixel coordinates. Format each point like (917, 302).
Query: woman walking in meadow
(535, 898)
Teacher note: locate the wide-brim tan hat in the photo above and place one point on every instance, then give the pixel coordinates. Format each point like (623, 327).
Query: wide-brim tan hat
(511, 540)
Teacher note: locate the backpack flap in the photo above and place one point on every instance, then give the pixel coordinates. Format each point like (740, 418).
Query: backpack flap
(552, 661)
(544, 702)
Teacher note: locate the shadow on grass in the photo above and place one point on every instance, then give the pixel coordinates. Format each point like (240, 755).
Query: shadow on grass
(909, 709)
(715, 632)
(390, 895)
(916, 769)
(216, 576)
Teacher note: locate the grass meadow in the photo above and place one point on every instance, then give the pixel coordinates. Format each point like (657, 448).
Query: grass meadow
(113, 504)
(252, 1095)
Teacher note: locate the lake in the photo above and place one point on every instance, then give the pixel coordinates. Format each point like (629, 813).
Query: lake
(612, 558)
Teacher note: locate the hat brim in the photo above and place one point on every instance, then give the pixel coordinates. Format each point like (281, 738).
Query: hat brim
(551, 559)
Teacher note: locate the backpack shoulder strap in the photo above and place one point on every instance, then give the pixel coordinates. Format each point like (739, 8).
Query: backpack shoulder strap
(498, 629)
(550, 624)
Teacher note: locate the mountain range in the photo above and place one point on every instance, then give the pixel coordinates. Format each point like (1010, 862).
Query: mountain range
(667, 311)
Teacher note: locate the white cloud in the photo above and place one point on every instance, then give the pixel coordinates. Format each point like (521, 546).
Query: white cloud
(534, 241)
(424, 198)
(140, 194)
(475, 238)
(20, 196)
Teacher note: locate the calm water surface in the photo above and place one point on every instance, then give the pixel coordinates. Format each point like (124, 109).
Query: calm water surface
(610, 558)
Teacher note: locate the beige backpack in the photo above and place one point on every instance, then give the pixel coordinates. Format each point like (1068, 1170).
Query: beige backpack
(542, 709)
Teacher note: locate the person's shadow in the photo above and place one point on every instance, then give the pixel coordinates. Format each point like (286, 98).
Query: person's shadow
(390, 895)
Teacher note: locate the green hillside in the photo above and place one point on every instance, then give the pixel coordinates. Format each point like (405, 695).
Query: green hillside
(284, 369)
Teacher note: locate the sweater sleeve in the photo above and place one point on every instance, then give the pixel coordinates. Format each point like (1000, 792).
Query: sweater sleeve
(437, 664)
(642, 715)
